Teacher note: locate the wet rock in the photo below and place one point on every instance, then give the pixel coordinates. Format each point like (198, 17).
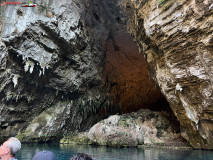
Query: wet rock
(77, 138)
(176, 38)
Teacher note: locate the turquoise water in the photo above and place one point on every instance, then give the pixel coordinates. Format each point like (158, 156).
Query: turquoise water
(64, 152)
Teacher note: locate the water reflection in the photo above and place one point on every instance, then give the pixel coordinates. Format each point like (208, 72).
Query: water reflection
(64, 152)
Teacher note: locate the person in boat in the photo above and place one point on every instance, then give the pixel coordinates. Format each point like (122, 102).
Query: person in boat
(44, 155)
(82, 156)
(9, 149)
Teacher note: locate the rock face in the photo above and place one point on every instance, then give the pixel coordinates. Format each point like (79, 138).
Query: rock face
(176, 37)
(141, 128)
(53, 76)
(51, 69)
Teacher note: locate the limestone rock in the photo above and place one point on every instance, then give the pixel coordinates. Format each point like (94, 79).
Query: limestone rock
(176, 38)
(138, 128)
(49, 14)
(51, 70)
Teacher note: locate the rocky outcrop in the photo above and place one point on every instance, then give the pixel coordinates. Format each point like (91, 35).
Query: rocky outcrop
(142, 128)
(176, 38)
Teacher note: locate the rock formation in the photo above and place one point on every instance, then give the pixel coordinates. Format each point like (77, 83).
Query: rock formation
(64, 65)
(143, 127)
(176, 38)
(54, 78)
(51, 69)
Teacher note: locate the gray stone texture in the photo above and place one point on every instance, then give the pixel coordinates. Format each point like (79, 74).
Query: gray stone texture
(51, 62)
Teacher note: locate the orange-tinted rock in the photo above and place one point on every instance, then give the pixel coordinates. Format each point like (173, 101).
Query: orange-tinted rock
(127, 75)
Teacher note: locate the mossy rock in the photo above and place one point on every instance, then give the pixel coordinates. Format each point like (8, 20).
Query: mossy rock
(76, 139)
(162, 2)
(123, 122)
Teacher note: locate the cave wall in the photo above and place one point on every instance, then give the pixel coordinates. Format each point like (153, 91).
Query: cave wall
(52, 60)
(176, 38)
(66, 65)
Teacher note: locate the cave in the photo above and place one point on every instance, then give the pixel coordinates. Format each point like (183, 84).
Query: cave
(65, 66)
(127, 76)
(47, 67)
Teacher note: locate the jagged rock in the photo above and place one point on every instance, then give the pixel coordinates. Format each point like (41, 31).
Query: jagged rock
(176, 37)
(51, 69)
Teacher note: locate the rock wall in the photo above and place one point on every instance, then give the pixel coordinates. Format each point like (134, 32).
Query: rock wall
(143, 127)
(176, 38)
(52, 60)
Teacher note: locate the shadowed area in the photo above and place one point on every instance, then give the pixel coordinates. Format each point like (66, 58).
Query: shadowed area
(126, 72)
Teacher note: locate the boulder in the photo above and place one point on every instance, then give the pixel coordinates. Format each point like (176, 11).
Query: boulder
(144, 127)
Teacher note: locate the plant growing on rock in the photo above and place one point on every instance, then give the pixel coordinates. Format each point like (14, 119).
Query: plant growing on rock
(161, 2)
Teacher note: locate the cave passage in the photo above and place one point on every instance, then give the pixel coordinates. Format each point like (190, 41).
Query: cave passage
(126, 72)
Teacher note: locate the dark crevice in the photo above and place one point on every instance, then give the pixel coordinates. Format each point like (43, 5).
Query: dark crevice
(96, 17)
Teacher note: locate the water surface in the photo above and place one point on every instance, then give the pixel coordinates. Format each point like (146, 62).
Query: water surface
(64, 152)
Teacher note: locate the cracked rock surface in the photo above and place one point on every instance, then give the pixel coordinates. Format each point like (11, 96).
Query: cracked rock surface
(143, 127)
(176, 37)
(51, 64)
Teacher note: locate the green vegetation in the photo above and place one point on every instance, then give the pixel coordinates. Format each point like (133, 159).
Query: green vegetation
(161, 2)
(76, 139)
(123, 122)
(21, 136)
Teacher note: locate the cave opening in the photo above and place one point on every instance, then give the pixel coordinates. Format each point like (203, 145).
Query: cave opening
(128, 80)
(126, 70)
(126, 73)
